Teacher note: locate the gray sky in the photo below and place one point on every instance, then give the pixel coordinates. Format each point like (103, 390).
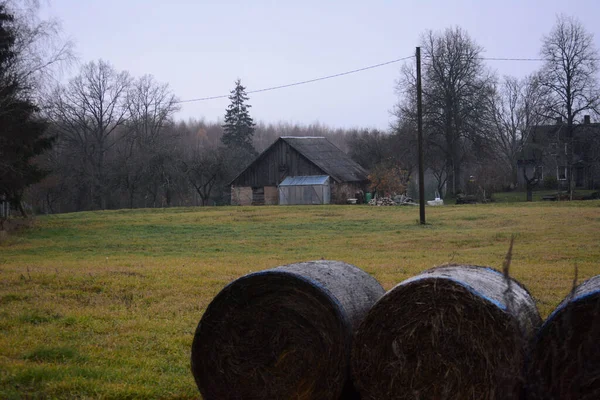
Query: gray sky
(200, 47)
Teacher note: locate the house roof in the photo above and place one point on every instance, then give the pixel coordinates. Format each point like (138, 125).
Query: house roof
(305, 180)
(543, 138)
(539, 141)
(328, 157)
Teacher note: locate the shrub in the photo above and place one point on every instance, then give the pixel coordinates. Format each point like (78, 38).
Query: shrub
(550, 182)
(388, 179)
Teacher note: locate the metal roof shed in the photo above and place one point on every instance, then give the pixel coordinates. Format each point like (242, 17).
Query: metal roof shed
(305, 190)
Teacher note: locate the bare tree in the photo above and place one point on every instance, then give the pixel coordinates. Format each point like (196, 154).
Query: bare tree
(368, 147)
(151, 107)
(456, 86)
(204, 169)
(570, 76)
(148, 145)
(131, 169)
(516, 108)
(406, 130)
(87, 113)
(436, 163)
(41, 51)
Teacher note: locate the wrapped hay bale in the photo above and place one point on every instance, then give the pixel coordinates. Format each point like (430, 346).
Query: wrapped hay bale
(452, 332)
(565, 356)
(283, 333)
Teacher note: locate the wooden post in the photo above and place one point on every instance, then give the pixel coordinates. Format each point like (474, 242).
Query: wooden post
(420, 139)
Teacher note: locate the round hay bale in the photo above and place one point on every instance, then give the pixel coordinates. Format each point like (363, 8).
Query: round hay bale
(452, 332)
(565, 356)
(283, 333)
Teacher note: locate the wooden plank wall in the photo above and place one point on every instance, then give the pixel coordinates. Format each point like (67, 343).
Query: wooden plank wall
(271, 195)
(241, 196)
(279, 162)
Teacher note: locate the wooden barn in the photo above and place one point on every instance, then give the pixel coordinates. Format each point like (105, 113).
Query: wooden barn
(298, 157)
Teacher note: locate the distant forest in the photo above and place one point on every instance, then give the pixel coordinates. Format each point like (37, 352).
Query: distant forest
(181, 164)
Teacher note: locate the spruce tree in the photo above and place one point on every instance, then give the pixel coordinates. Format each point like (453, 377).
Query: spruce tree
(22, 131)
(239, 126)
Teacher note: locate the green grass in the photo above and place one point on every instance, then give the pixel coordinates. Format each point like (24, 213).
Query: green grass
(516, 197)
(105, 304)
(52, 354)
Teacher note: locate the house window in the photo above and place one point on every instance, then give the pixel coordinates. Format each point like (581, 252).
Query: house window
(539, 172)
(561, 173)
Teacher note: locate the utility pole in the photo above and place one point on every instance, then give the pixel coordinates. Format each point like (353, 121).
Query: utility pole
(420, 139)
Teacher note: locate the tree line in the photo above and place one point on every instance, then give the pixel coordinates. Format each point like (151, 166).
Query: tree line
(477, 123)
(108, 140)
(118, 145)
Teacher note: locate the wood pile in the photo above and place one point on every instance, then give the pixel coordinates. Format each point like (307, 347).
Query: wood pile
(382, 201)
(400, 200)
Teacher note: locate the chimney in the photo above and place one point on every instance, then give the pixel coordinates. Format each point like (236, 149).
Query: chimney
(586, 119)
(558, 120)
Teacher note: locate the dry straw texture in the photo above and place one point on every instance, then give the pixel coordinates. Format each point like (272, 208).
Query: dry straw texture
(453, 332)
(283, 333)
(565, 361)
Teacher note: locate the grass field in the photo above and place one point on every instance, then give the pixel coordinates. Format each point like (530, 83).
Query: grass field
(514, 197)
(105, 304)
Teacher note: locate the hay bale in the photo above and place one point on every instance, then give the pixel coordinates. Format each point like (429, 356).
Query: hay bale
(283, 333)
(565, 356)
(452, 332)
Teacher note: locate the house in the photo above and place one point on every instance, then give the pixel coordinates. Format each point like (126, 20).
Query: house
(333, 174)
(545, 155)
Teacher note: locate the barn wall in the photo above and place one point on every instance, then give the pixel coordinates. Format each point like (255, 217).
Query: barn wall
(279, 161)
(241, 196)
(271, 195)
(337, 193)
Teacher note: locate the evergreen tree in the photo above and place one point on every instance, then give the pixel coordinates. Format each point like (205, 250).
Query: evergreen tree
(22, 132)
(239, 126)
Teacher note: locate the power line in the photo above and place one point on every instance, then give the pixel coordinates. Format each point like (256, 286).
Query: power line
(301, 82)
(527, 59)
(509, 59)
(267, 89)
(519, 59)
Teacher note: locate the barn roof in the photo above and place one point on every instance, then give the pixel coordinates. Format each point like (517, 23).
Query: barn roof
(325, 155)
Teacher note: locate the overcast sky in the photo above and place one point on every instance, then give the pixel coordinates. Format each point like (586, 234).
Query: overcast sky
(201, 47)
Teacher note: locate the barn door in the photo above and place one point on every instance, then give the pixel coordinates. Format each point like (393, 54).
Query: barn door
(258, 196)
